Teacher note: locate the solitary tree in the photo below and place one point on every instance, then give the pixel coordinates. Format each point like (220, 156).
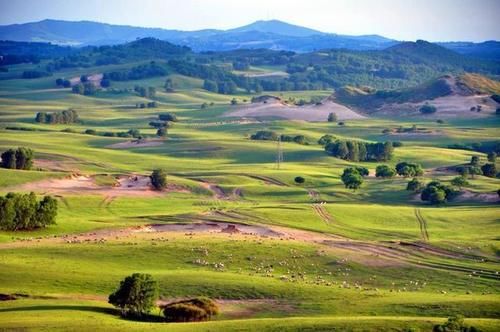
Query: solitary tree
(492, 157)
(159, 179)
(415, 185)
(351, 178)
(475, 170)
(428, 109)
(459, 182)
(332, 117)
(24, 158)
(489, 170)
(136, 295)
(169, 85)
(474, 160)
(299, 179)
(9, 159)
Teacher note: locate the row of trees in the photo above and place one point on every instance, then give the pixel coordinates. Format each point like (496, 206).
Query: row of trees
(137, 73)
(25, 212)
(145, 92)
(137, 294)
(65, 117)
(21, 158)
(268, 135)
(227, 87)
(86, 89)
(360, 151)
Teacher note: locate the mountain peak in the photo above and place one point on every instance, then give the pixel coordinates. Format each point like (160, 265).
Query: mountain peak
(277, 27)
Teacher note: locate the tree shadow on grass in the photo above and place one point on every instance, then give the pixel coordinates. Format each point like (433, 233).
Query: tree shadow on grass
(109, 311)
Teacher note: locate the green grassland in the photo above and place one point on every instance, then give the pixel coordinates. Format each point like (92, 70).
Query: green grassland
(64, 286)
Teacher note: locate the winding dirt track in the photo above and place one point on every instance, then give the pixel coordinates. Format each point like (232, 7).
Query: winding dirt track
(320, 210)
(422, 224)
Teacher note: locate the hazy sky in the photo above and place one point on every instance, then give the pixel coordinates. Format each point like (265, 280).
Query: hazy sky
(435, 20)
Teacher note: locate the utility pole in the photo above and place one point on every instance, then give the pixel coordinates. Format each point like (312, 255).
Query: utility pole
(279, 154)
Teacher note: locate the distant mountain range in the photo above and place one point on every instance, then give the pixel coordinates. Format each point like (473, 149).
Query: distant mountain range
(272, 34)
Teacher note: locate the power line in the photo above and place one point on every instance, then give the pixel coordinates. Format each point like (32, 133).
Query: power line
(279, 153)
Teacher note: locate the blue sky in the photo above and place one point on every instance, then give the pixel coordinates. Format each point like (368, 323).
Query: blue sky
(434, 20)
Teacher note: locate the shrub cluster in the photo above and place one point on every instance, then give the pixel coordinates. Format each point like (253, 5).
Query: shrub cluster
(86, 89)
(25, 212)
(265, 135)
(66, 117)
(151, 104)
(22, 158)
(454, 324)
(159, 179)
(409, 169)
(427, 109)
(437, 193)
(385, 171)
(192, 310)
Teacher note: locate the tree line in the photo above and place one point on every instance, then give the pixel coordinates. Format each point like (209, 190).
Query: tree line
(21, 158)
(25, 212)
(360, 151)
(137, 73)
(64, 117)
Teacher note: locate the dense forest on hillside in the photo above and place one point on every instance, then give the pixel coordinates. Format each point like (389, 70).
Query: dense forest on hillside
(403, 65)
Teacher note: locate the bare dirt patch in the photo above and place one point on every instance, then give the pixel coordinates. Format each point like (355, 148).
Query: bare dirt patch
(276, 108)
(143, 143)
(128, 185)
(447, 107)
(470, 196)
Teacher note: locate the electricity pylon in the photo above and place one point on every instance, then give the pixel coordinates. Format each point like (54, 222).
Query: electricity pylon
(279, 154)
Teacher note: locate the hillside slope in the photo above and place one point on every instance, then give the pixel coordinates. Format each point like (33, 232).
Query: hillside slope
(452, 95)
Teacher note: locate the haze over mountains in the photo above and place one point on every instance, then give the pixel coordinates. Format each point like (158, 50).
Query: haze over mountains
(272, 34)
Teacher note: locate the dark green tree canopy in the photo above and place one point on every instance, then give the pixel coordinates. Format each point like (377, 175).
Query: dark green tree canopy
(159, 179)
(136, 295)
(25, 212)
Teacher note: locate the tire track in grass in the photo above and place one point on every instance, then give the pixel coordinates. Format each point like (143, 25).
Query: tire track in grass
(422, 224)
(320, 210)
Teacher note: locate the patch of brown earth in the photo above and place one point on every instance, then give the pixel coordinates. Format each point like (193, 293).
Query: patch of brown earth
(140, 143)
(277, 108)
(470, 196)
(135, 185)
(447, 107)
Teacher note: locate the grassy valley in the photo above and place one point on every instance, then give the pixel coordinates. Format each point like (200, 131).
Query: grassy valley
(231, 223)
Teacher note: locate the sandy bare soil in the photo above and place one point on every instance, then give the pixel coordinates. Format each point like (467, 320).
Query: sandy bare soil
(213, 227)
(134, 185)
(447, 107)
(278, 109)
(136, 144)
(470, 196)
